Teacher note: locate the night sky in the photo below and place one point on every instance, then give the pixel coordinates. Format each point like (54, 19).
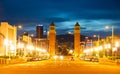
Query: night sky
(93, 15)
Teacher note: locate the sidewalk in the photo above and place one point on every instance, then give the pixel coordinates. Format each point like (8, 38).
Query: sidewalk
(108, 61)
(4, 61)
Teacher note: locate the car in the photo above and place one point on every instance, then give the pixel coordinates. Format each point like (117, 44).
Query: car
(38, 58)
(35, 59)
(94, 59)
(29, 59)
(82, 58)
(90, 58)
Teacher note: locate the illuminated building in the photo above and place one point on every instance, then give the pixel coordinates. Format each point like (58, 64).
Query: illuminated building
(39, 31)
(7, 39)
(52, 39)
(26, 38)
(76, 39)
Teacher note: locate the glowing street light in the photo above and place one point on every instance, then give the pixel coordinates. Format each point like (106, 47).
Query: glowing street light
(117, 44)
(20, 26)
(6, 42)
(20, 45)
(114, 49)
(107, 46)
(86, 51)
(71, 51)
(55, 57)
(30, 47)
(61, 57)
(69, 32)
(100, 48)
(96, 49)
(9, 45)
(32, 35)
(44, 51)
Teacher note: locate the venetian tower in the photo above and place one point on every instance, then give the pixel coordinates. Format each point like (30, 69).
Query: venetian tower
(76, 39)
(52, 39)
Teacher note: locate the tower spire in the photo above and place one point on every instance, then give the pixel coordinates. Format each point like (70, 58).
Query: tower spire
(76, 39)
(52, 39)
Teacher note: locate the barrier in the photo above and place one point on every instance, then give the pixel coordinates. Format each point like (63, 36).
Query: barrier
(106, 61)
(118, 61)
(12, 61)
(3, 61)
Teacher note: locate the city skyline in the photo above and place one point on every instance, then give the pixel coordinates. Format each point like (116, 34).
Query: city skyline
(92, 15)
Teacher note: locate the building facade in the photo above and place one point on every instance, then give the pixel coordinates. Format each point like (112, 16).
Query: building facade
(39, 31)
(7, 39)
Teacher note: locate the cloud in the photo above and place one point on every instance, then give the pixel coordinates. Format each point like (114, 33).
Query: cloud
(92, 26)
(36, 20)
(93, 15)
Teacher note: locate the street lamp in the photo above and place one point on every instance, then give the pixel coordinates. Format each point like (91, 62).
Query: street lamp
(107, 27)
(61, 57)
(98, 38)
(55, 57)
(116, 44)
(20, 26)
(98, 41)
(71, 52)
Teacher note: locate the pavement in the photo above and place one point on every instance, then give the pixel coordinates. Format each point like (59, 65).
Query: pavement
(58, 66)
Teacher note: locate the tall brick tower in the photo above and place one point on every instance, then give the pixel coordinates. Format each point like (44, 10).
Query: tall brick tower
(52, 39)
(76, 39)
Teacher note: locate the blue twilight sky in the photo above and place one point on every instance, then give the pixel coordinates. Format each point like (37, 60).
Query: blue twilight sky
(94, 15)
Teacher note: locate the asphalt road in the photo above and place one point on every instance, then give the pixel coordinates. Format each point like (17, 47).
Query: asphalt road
(60, 67)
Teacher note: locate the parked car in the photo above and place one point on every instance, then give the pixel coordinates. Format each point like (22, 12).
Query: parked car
(38, 58)
(94, 59)
(89, 58)
(29, 59)
(85, 58)
(82, 58)
(34, 59)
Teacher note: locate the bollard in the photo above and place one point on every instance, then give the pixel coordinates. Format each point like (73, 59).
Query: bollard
(0, 61)
(4, 61)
